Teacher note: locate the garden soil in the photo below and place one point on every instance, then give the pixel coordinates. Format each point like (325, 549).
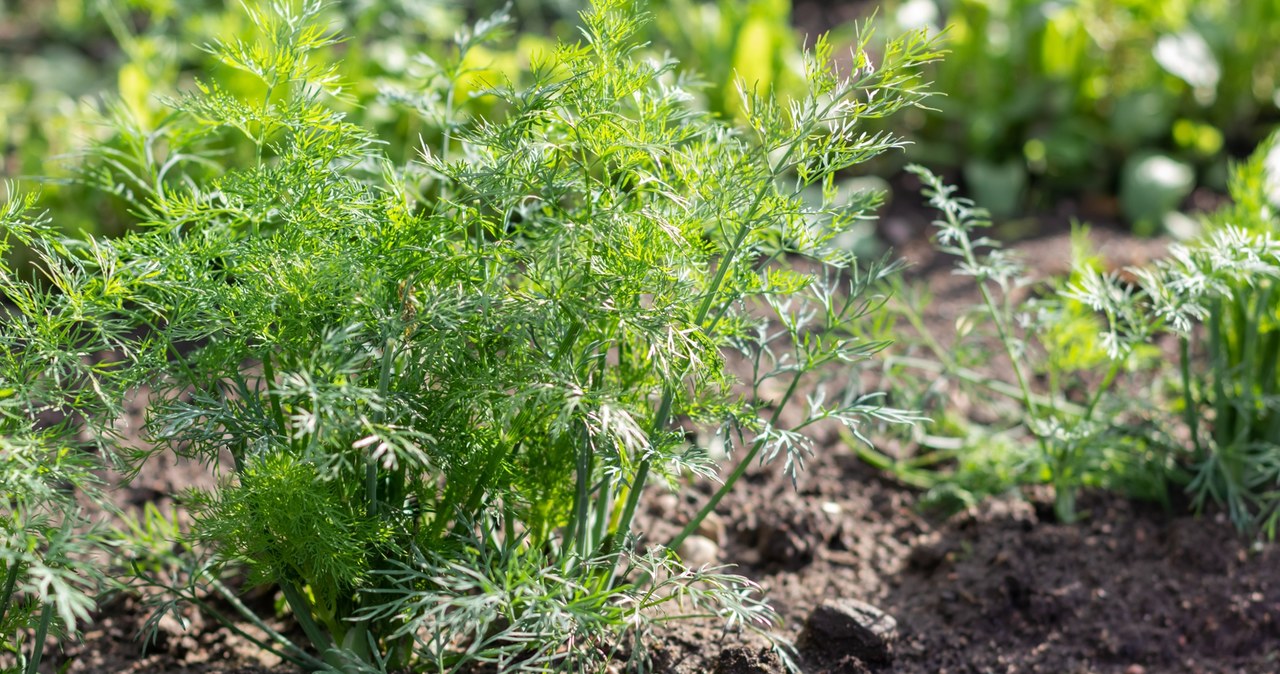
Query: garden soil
(998, 588)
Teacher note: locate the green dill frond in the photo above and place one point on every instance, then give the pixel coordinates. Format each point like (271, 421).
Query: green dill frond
(441, 409)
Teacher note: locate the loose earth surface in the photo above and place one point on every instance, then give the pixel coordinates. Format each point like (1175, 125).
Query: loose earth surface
(998, 588)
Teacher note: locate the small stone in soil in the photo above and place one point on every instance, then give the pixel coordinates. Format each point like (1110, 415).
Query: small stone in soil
(713, 528)
(697, 551)
(926, 557)
(664, 505)
(839, 628)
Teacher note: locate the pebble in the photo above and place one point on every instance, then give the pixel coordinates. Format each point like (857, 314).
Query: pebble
(697, 551)
(664, 505)
(713, 528)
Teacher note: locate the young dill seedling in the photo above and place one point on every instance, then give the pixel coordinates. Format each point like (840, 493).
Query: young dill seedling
(1217, 293)
(1075, 445)
(441, 407)
(995, 274)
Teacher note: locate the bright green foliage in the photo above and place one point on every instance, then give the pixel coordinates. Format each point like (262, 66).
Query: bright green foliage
(1218, 295)
(1083, 434)
(1045, 99)
(61, 60)
(285, 523)
(44, 542)
(44, 537)
(442, 388)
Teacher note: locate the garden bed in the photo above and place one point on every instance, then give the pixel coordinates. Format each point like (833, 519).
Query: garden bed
(1001, 587)
(998, 588)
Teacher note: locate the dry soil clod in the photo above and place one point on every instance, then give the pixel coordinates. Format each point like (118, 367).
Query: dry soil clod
(842, 628)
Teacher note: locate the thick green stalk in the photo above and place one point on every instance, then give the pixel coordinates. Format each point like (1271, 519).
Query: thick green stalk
(371, 466)
(10, 581)
(1218, 354)
(269, 375)
(578, 526)
(302, 612)
(1188, 396)
(1250, 322)
(37, 644)
(604, 504)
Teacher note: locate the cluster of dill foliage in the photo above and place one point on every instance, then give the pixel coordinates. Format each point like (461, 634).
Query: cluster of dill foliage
(1091, 401)
(46, 393)
(436, 391)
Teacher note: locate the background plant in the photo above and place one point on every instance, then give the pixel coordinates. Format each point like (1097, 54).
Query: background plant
(728, 42)
(437, 392)
(1216, 295)
(1083, 377)
(1027, 360)
(61, 60)
(1045, 100)
(70, 69)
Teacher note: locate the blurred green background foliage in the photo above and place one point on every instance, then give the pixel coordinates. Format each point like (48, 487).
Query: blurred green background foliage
(1137, 101)
(1119, 108)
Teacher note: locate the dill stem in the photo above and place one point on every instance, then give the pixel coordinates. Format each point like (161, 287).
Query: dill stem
(293, 653)
(738, 471)
(10, 582)
(1188, 396)
(722, 270)
(302, 613)
(1112, 372)
(37, 644)
(1006, 340)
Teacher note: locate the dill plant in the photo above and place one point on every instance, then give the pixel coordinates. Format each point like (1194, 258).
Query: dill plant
(1217, 295)
(1058, 418)
(437, 392)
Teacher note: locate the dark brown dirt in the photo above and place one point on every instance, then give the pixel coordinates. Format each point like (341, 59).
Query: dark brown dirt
(998, 588)
(114, 643)
(119, 641)
(1001, 589)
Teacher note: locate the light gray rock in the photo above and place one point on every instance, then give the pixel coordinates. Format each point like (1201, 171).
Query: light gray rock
(712, 527)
